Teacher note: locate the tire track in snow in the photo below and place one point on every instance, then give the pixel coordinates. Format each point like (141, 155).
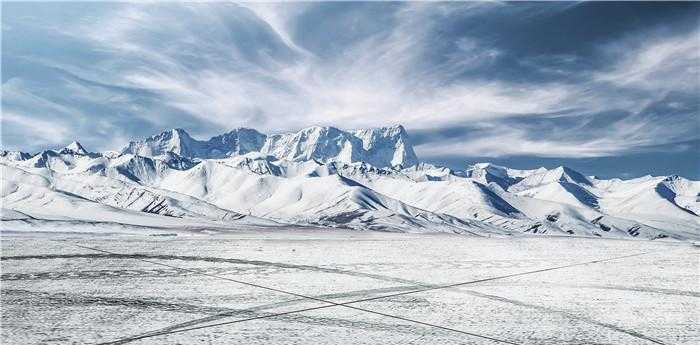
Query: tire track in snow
(566, 314)
(411, 283)
(206, 259)
(32, 298)
(254, 311)
(660, 291)
(113, 274)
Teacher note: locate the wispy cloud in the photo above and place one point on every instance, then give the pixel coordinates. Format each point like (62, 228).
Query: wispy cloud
(661, 62)
(210, 67)
(43, 132)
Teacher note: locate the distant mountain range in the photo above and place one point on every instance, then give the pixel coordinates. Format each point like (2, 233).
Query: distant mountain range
(381, 147)
(367, 179)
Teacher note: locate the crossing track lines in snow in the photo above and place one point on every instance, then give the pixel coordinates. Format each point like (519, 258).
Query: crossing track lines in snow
(348, 304)
(127, 340)
(329, 304)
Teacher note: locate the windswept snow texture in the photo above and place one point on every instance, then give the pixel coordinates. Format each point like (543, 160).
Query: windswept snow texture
(366, 179)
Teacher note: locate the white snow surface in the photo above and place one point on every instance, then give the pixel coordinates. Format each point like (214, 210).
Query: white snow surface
(54, 291)
(367, 179)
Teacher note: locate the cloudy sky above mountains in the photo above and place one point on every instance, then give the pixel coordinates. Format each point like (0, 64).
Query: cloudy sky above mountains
(608, 88)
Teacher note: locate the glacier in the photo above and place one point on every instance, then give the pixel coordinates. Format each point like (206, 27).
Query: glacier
(364, 179)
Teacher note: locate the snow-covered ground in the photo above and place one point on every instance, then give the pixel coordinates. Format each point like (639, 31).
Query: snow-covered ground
(54, 292)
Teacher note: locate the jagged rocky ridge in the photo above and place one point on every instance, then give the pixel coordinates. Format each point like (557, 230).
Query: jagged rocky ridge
(381, 147)
(323, 176)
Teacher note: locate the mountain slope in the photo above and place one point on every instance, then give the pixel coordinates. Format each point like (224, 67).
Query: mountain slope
(51, 194)
(175, 140)
(330, 200)
(457, 196)
(442, 191)
(683, 192)
(323, 176)
(13, 156)
(33, 198)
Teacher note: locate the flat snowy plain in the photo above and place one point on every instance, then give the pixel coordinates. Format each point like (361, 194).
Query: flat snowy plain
(56, 292)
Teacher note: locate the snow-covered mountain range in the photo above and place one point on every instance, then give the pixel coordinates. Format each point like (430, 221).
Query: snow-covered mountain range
(381, 147)
(367, 179)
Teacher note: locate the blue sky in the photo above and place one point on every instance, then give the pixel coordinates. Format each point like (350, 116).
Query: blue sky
(606, 88)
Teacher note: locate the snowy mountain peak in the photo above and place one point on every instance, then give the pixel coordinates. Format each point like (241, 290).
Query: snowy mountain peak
(490, 173)
(238, 141)
(560, 175)
(381, 147)
(74, 148)
(13, 156)
(567, 174)
(394, 131)
(391, 146)
(174, 134)
(672, 178)
(176, 140)
(320, 143)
